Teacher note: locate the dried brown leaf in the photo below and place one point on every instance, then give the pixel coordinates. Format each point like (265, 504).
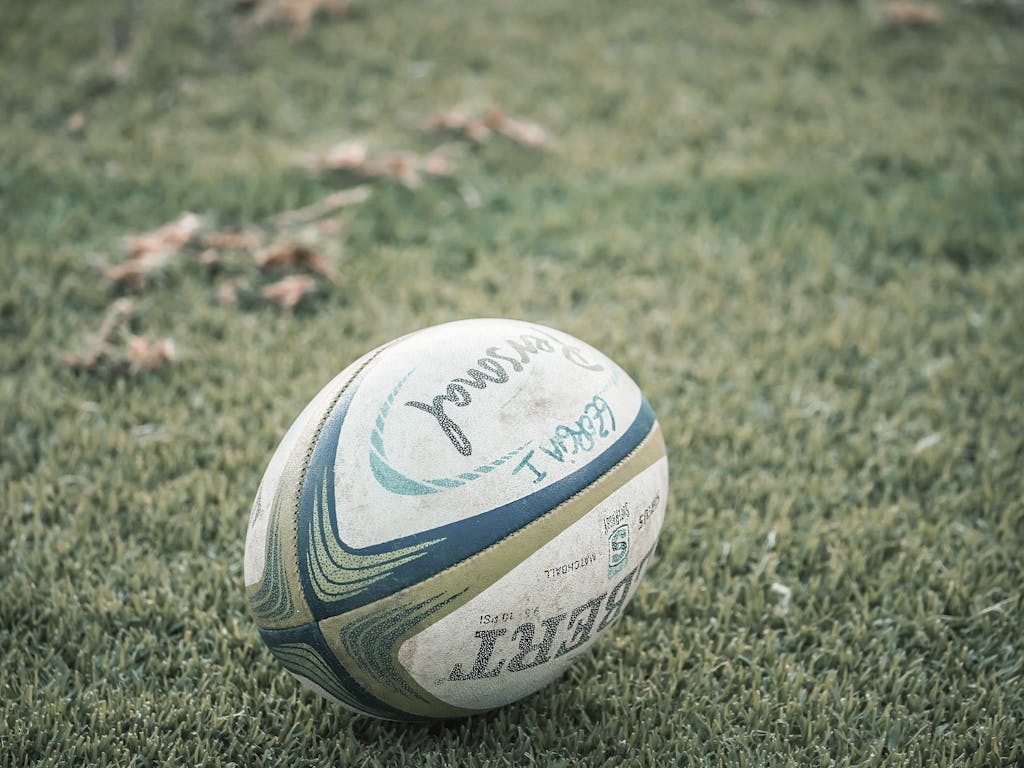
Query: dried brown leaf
(401, 166)
(121, 67)
(98, 347)
(329, 204)
(86, 362)
(232, 240)
(331, 226)
(289, 291)
(75, 122)
(458, 120)
(227, 291)
(170, 237)
(296, 255)
(523, 132)
(148, 354)
(494, 118)
(755, 7)
(903, 15)
(119, 313)
(405, 167)
(134, 271)
(437, 163)
(477, 131)
(299, 13)
(151, 251)
(344, 156)
(454, 119)
(481, 128)
(125, 353)
(408, 167)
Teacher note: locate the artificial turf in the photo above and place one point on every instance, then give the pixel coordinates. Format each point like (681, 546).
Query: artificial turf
(798, 228)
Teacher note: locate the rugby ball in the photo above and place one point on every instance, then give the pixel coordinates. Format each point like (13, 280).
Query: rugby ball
(454, 519)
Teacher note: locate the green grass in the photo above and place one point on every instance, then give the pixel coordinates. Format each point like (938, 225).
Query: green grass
(800, 232)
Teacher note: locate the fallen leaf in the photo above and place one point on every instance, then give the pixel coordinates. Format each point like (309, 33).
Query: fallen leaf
(401, 166)
(288, 291)
(454, 119)
(148, 354)
(404, 167)
(99, 347)
(75, 122)
(299, 13)
(408, 167)
(437, 163)
(121, 67)
(170, 237)
(119, 313)
(344, 156)
(901, 15)
(477, 131)
(134, 271)
(227, 291)
(151, 251)
(128, 352)
(329, 204)
(286, 255)
(330, 226)
(481, 128)
(457, 120)
(232, 240)
(521, 131)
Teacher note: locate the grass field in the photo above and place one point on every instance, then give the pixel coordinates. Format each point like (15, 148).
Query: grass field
(799, 229)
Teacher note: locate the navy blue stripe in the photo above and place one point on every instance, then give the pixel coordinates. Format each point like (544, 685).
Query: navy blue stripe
(457, 540)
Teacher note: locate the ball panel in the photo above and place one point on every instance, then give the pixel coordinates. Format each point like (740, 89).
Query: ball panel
(464, 417)
(368, 639)
(524, 630)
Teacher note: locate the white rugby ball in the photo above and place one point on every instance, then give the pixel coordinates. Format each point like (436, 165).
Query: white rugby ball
(454, 519)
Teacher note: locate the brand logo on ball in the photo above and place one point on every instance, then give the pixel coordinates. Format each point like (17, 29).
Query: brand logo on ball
(498, 366)
(500, 651)
(618, 549)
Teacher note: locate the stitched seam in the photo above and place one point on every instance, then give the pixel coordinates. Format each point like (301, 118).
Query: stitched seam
(309, 455)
